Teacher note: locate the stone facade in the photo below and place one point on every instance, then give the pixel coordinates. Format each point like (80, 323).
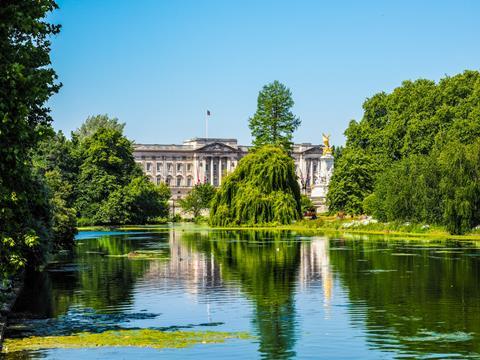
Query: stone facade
(209, 160)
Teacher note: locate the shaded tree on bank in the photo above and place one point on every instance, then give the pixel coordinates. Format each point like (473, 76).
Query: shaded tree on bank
(26, 83)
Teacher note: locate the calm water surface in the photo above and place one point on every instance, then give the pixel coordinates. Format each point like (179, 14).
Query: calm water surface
(299, 296)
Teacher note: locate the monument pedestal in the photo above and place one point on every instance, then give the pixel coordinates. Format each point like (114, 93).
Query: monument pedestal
(320, 189)
(318, 196)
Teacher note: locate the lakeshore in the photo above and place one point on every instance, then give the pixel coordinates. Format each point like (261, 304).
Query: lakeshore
(326, 225)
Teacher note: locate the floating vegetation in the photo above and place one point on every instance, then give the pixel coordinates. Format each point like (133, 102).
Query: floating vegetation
(377, 271)
(404, 254)
(448, 252)
(427, 336)
(74, 321)
(144, 255)
(155, 339)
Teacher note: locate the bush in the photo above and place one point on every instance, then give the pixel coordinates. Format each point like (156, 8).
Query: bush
(140, 202)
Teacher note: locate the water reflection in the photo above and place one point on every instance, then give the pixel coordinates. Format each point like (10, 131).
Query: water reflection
(415, 298)
(315, 266)
(266, 266)
(301, 296)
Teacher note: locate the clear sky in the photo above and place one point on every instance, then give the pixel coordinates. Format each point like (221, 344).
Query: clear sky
(158, 65)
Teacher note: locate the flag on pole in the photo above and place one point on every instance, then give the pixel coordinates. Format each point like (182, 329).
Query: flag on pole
(206, 123)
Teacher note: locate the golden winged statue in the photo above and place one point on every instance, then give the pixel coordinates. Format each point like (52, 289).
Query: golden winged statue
(326, 143)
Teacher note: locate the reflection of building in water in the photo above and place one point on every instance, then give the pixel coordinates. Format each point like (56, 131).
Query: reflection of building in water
(315, 266)
(197, 271)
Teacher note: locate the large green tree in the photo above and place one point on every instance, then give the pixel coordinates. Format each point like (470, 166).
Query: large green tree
(460, 186)
(95, 123)
(405, 132)
(274, 123)
(351, 182)
(26, 83)
(110, 187)
(107, 164)
(139, 202)
(262, 189)
(408, 191)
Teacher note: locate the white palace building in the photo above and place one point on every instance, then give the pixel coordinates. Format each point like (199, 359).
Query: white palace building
(209, 160)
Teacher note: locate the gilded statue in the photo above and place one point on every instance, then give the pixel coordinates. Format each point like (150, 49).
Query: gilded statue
(326, 143)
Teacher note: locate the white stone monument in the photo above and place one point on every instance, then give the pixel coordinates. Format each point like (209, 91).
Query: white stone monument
(320, 188)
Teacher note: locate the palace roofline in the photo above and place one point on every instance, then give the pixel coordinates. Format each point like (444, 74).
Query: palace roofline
(198, 143)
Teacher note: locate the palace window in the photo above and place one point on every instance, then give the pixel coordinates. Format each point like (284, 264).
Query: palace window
(159, 180)
(189, 181)
(149, 167)
(189, 167)
(169, 181)
(159, 166)
(314, 168)
(169, 166)
(179, 181)
(179, 167)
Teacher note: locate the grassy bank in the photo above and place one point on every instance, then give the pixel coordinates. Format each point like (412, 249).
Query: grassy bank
(330, 225)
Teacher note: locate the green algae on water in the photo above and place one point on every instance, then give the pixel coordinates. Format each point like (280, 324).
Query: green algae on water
(150, 338)
(143, 255)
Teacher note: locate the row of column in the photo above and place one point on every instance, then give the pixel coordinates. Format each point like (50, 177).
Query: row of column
(211, 160)
(309, 173)
(323, 170)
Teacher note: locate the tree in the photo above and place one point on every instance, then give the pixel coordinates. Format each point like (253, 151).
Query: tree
(408, 191)
(262, 189)
(460, 186)
(274, 123)
(107, 164)
(198, 199)
(57, 154)
(140, 202)
(95, 123)
(352, 180)
(418, 120)
(26, 83)
(110, 187)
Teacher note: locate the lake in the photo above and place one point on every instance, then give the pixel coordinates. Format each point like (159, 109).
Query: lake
(340, 297)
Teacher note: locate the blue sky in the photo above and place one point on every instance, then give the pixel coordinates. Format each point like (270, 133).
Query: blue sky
(158, 65)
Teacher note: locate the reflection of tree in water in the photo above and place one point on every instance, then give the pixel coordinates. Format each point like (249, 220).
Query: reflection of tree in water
(420, 301)
(266, 264)
(106, 282)
(91, 279)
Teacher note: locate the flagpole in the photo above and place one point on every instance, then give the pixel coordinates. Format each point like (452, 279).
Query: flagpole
(206, 125)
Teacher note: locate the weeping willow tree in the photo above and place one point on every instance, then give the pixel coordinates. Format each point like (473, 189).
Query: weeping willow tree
(262, 189)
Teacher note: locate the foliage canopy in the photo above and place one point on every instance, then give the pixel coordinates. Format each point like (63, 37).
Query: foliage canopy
(421, 142)
(111, 188)
(198, 199)
(262, 189)
(26, 83)
(274, 123)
